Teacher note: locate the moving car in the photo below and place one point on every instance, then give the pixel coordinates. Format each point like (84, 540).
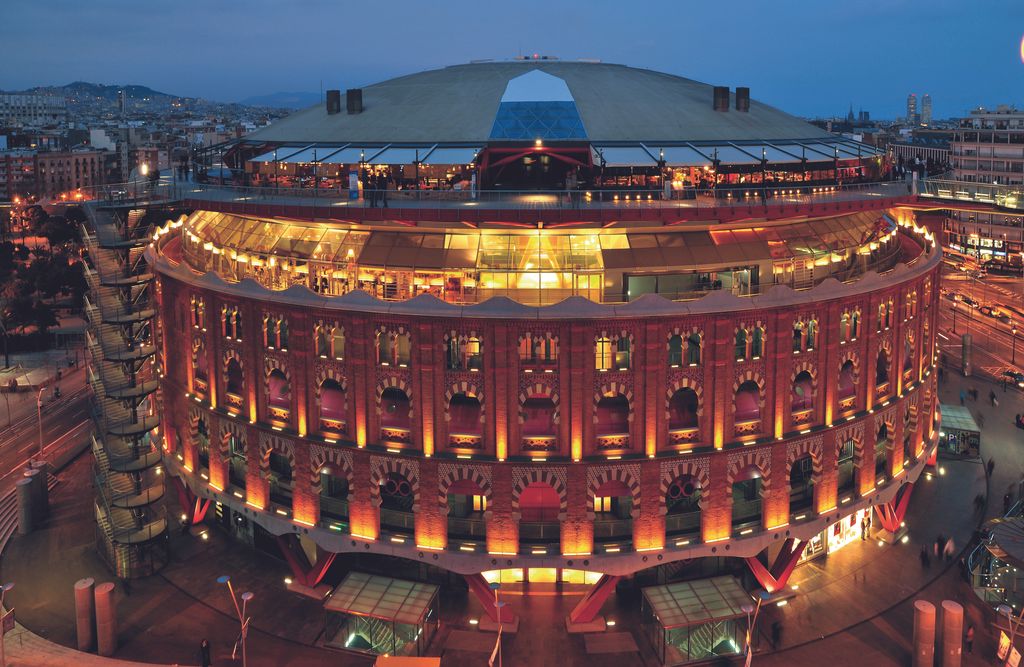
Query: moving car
(1015, 377)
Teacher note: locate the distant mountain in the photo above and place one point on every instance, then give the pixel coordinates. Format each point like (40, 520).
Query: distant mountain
(283, 100)
(84, 89)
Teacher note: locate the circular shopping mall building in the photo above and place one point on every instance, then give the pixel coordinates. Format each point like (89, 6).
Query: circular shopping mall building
(547, 316)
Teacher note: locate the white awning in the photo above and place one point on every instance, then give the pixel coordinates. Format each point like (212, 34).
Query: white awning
(350, 155)
(279, 155)
(680, 156)
(733, 155)
(623, 156)
(452, 156)
(397, 155)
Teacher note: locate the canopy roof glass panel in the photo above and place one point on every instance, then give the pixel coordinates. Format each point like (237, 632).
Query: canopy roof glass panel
(452, 155)
(959, 418)
(681, 156)
(398, 155)
(623, 156)
(687, 603)
(382, 597)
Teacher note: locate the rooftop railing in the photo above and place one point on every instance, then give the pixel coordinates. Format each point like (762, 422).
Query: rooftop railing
(334, 200)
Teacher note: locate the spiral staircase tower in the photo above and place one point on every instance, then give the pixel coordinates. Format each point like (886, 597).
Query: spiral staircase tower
(131, 520)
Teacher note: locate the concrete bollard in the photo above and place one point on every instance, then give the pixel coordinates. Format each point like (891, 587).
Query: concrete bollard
(33, 475)
(85, 613)
(44, 486)
(952, 633)
(26, 506)
(924, 634)
(106, 620)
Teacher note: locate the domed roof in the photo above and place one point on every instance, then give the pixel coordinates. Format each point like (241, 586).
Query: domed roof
(548, 99)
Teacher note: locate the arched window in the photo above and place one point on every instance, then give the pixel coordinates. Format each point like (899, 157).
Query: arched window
(282, 333)
(844, 328)
(332, 400)
(269, 331)
(320, 339)
(675, 351)
(238, 325)
(202, 368)
(803, 392)
(338, 342)
(908, 352)
(278, 389)
(235, 383)
(539, 502)
(693, 349)
(622, 356)
(603, 353)
(855, 325)
(682, 506)
(538, 416)
(474, 354)
(394, 408)
(882, 318)
(746, 499)
(385, 348)
(612, 415)
(801, 486)
(798, 336)
(847, 381)
(748, 402)
(882, 367)
(227, 322)
(812, 334)
(888, 314)
(404, 349)
(682, 409)
(757, 343)
(464, 415)
(538, 349)
(741, 344)
(454, 355)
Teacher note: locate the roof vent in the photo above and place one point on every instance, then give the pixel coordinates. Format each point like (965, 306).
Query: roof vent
(721, 98)
(742, 98)
(354, 100)
(333, 102)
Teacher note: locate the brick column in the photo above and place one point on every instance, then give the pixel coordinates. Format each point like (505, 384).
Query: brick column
(502, 528)
(775, 504)
(719, 401)
(360, 353)
(828, 363)
(257, 489)
(363, 514)
(431, 521)
(649, 524)
(776, 418)
(576, 372)
(305, 500)
(650, 375)
(866, 472)
(716, 507)
(826, 491)
(577, 527)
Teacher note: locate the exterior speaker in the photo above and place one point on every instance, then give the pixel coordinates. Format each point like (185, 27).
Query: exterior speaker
(333, 102)
(743, 99)
(354, 100)
(721, 99)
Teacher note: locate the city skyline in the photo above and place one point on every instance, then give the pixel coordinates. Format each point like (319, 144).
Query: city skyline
(259, 56)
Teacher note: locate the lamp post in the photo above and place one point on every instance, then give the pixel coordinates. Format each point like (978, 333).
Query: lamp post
(752, 612)
(39, 415)
(496, 586)
(1013, 345)
(243, 619)
(3, 616)
(1013, 623)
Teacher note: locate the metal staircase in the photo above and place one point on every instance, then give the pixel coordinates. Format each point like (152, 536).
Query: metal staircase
(131, 519)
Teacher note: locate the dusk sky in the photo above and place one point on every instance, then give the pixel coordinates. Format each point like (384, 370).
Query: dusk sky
(809, 58)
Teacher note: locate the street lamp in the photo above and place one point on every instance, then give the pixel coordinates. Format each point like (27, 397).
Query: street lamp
(496, 586)
(752, 612)
(39, 414)
(1014, 624)
(1013, 349)
(243, 619)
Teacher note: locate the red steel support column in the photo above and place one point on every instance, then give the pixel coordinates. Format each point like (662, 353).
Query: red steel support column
(891, 514)
(479, 587)
(586, 610)
(775, 579)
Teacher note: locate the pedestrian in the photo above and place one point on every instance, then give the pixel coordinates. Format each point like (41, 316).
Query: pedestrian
(948, 550)
(992, 398)
(990, 467)
(963, 396)
(969, 639)
(204, 653)
(940, 541)
(776, 634)
(1007, 499)
(925, 561)
(865, 523)
(383, 190)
